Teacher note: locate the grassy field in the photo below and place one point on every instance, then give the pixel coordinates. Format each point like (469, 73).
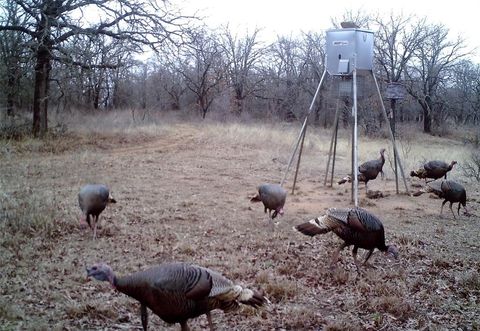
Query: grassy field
(182, 188)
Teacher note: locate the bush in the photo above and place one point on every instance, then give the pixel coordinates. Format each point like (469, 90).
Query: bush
(471, 167)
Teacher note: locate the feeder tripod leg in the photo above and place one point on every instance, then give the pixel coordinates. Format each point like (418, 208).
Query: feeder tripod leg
(298, 161)
(333, 144)
(392, 138)
(355, 140)
(304, 127)
(392, 107)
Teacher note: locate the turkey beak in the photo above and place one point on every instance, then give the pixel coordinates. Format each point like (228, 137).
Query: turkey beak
(111, 199)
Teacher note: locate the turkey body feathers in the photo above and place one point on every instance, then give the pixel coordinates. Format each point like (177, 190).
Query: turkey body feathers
(93, 199)
(174, 292)
(448, 190)
(177, 292)
(355, 226)
(368, 170)
(273, 197)
(371, 169)
(433, 169)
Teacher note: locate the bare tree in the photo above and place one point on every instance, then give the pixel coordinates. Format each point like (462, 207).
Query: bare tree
(464, 92)
(242, 55)
(397, 39)
(51, 23)
(312, 50)
(202, 67)
(432, 64)
(284, 69)
(95, 58)
(13, 54)
(167, 83)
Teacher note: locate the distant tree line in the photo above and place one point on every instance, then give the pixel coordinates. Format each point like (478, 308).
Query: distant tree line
(52, 57)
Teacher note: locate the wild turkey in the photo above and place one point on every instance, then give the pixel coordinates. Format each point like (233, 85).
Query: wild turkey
(450, 191)
(93, 198)
(273, 197)
(433, 169)
(368, 170)
(355, 226)
(177, 292)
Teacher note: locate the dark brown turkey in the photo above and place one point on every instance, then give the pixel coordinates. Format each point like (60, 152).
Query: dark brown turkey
(177, 292)
(355, 226)
(433, 169)
(450, 191)
(93, 199)
(273, 197)
(368, 170)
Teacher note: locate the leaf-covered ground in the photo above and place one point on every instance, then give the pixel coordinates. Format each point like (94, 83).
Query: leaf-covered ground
(183, 196)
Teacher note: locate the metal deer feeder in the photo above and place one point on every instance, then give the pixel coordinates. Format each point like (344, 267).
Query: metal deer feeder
(349, 54)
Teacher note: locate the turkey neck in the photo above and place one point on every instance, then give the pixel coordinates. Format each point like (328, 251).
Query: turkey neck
(114, 282)
(382, 158)
(122, 284)
(136, 286)
(382, 247)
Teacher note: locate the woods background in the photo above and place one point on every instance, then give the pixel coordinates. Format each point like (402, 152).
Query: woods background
(68, 56)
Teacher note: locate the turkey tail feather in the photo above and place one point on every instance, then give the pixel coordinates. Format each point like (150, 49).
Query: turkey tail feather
(313, 227)
(344, 180)
(253, 298)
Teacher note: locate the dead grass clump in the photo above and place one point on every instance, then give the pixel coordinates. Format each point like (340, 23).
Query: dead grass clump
(340, 276)
(10, 311)
(186, 249)
(281, 289)
(441, 263)
(392, 304)
(470, 281)
(277, 288)
(15, 130)
(387, 289)
(263, 277)
(405, 240)
(99, 311)
(301, 318)
(341, 325)
(28, 213)
(440, 230)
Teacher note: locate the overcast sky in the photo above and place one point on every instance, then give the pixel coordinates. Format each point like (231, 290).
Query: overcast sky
(283, 17)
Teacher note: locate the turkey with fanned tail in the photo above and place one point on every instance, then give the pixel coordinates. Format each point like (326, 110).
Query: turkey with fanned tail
(355, 226)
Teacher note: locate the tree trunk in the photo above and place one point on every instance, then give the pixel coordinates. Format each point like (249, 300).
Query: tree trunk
(40, 97)
(11, 91)
(238, 106)
(427, 116)
(96, 97)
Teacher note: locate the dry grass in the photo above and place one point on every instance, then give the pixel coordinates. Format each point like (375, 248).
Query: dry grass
(182, 189)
